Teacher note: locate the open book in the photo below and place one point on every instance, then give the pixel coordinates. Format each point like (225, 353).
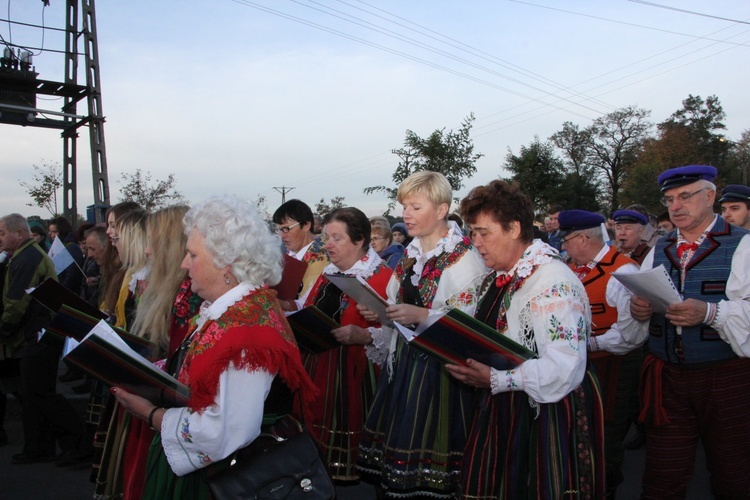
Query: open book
(105, 356)
(312, 329)
(53, 296)
(72, 323)
(455, 336)
(362, 293)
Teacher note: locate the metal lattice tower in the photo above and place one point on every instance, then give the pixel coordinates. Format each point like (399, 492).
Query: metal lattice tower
(19, 87)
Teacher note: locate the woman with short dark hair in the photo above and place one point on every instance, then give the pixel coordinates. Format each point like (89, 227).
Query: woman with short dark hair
(344, 376)
(537, 431)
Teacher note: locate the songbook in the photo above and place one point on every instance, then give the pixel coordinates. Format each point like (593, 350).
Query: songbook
(312, 329)
(105, 356)
(455, 336)
(291, 279)
(654, 285)
(362, 293)
(52, 295)
(72, 323)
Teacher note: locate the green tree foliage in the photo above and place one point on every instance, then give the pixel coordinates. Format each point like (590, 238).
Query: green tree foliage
(538, 172)
(451, 154)
(615, 140)
(580, 188)
(739, 161)
(701, 123)
(691, 135)
(322, 208)
(138, 187)
(46, 181)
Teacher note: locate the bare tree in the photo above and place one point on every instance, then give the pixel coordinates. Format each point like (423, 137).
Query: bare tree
(138, 187)
(46, 180)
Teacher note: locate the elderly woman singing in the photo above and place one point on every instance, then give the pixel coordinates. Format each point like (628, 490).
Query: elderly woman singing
(239, 343)
(537, 431)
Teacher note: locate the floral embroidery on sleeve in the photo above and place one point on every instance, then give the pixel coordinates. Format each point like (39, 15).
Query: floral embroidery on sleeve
(510, 380)
(185, 432)
(558, 331)
(203, 458)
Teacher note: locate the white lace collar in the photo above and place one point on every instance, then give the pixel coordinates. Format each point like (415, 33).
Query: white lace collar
(536, 254)
(214, 310)
(364, 267)
(137, 276)
(446, 244)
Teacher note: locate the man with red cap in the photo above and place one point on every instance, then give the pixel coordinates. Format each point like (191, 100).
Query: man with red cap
(696, 379)
(613, 347)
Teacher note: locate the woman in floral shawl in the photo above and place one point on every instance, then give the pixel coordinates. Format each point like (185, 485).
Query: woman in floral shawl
(538, 431)
(415, 433)
(344, 376)
(239, 343)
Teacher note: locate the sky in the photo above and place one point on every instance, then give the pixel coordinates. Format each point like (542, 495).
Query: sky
(249, 97)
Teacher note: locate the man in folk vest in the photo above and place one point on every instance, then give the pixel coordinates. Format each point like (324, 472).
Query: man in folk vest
(696, 379)
(735, 205)
(616, 337)
(629, 229)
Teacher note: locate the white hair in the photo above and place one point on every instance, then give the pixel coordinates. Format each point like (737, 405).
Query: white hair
(237, 236)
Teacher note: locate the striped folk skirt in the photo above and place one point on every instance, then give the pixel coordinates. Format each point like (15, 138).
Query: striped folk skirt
(346, 380)
(415, 433)
(546, 451)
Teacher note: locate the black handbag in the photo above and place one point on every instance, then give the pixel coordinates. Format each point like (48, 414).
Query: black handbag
(288, 469)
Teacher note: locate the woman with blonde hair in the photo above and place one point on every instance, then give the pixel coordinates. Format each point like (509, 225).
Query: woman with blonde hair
(162, 316)
(415, 433)
(130, 240)
(112, 271)
(167, 303)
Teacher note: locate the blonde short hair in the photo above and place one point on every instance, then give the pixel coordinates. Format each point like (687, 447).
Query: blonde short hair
(433, 185)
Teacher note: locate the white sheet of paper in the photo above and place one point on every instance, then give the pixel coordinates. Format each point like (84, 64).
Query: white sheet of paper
(654, 285)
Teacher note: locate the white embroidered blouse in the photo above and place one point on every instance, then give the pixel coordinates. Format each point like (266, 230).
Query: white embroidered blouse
(549, 314)
(458, 287)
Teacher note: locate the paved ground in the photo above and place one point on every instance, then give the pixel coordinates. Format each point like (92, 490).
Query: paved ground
(46, 481)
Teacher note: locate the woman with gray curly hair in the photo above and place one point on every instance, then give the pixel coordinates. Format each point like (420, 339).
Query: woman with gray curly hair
(239, 343)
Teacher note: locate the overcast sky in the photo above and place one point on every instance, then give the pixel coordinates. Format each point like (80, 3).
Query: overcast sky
(243, 97)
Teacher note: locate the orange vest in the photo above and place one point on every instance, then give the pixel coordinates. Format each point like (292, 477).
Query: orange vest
(603, 316)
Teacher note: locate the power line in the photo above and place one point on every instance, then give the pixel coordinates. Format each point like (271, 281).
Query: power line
(624, 22)
(651, 4)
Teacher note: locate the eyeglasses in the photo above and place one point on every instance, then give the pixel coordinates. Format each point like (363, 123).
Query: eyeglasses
(564, 241)
(376, 238)
(667, 201)
(285, 229)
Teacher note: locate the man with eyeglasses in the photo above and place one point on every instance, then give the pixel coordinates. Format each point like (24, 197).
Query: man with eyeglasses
(696, 379)
(294, 223)
(735, 205)
(613, 347)
(629, 229)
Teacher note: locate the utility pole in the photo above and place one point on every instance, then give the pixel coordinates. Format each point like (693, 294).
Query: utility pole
(19, 88)
(283, 190)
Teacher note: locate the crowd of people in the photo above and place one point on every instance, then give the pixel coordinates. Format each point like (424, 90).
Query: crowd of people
(198, 284)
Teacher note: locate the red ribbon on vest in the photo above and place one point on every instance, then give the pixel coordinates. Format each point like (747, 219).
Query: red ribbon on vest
(581, 271)
(503, 280)
(686, 247)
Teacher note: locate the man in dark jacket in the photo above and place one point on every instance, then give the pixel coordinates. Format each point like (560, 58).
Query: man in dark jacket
(47, 416)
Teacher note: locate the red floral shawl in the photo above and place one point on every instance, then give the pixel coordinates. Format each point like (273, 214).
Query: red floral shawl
(252, 334)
